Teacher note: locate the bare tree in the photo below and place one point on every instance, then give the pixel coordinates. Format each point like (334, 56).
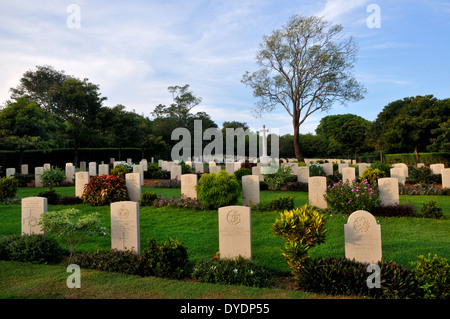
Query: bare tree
(305, 66)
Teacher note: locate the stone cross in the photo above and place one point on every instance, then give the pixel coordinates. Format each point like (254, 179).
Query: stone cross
(264, 141)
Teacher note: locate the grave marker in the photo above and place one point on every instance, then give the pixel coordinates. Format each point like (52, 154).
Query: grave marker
(398, 173)
(81, 179)
(103, 169)
(445, 178)
(250, 190)
(188, 182)
(362, 238)
(437, 168)
(133, 183)
(38, 171)
(348, 174)
(317, 187)
(388, 188)
(32, 209)
(235, 232)
(125, 229)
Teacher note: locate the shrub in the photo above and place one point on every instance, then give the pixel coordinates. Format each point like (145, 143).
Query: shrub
(147, 199)
(189, 203)
(242, 172)
(372, 175)
(432, 275)
(172, 183)
(217, 190)
(51, 195)
(113, 260)
(105, 189)
(395, 210)
(420, 189)
(168, 259)
(302, 229)
(23, 179)
(347, 197)
(382, 167)
(430, 209)
(71, 225)
(52, 177)
(70, 200)
(8, 188)
(155, 172)
(30, 248)
(120, 170)
(238, 271)
(420, 175)
(280, 178)
(298, 186)
(341, 276)
(316, 170)
(282, 203)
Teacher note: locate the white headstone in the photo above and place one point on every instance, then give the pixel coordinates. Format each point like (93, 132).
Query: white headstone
(317, 187)
(361, 168)
(81, 179)
(303, 174)
(32, 209)
(398, 173)
(419, 165)
(24, 169)
(388, 188)
(348, 174)
(133, 183)
(436, 168)
(250, 190)
(175, 172)
(229, 167)
(125, 228)
(341, 166)
(362, 238)
(103, 169)
(92, 169)
(188, 182)
(198, 166)
(328, 168)
(70, 173)
(47, 166)
(144, 165)
(83, 166)
(215, 169)
(138, 169)
(402, 166)
(10, 172)
(38, 171)
(445, 178)
(235, 232)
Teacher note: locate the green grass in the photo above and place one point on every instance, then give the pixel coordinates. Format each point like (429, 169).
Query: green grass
(403, 239)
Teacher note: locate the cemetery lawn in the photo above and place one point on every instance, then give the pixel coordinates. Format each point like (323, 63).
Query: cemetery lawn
(403, 239)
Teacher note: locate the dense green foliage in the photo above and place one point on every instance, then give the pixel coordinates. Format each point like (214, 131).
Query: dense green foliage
(217, 190)
(104, 190)
(8, 188)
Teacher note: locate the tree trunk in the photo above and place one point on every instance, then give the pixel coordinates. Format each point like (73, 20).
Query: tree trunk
(417, 154)
(298, 153)
(381, 156)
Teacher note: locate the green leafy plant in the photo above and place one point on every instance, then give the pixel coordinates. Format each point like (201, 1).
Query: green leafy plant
(395, 210)
(430, 209)
(105, 189)
(120, 170)
(316, 170)
(302, 228)
(218, 189)
(35, 248)
(239, 271)
(347, 197)
(433, 276)
(167, 259)
(372, 175)
(8, 188)
(280, 178)
(386, 168)
(342, 276)
(72, 226)
(51, 195)
(52, 177)
(282, 203)
(23, 179)
(147, 199)
(155, 172)
(242, 172)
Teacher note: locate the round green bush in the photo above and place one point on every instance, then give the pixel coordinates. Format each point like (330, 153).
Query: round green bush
(218, 189)
(8, 188)
(372, 175)
(120, 170)
(430, 209)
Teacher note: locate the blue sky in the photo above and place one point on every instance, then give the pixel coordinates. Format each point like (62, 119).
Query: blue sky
(134, 50)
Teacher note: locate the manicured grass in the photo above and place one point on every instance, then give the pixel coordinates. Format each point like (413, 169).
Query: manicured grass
(403, 239)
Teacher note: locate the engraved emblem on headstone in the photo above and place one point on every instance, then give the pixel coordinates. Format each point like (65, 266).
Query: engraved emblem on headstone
(233, 217)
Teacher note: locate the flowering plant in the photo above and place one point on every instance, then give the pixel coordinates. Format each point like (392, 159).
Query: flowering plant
(347, 197)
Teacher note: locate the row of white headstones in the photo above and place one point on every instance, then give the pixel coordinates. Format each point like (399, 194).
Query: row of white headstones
(362, 233)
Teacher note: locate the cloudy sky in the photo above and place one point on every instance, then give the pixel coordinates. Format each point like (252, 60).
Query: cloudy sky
(135, 49)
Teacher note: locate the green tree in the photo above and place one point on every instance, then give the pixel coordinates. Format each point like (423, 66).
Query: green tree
(305, 67)
(72, 226)
(408, 123)
(35, 86)
(77, 103)
(441, 142)
(25, 126)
